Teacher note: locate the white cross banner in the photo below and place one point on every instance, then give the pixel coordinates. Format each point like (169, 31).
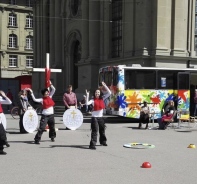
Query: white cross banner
(47, 71)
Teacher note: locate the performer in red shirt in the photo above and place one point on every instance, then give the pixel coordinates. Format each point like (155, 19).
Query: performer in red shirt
(47, 116)
(3, 138)
(97, 122)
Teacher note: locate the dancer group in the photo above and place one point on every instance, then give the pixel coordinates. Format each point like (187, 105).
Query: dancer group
(47, 116)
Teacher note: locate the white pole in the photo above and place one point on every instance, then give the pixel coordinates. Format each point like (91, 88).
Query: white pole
(47, 61)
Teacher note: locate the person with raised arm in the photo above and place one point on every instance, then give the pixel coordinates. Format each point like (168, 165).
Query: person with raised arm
(47, 116)
(3, 138)
(97, 121)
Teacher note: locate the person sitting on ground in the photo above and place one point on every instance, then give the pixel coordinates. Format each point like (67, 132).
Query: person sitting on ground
(144, 115)
(169, 113)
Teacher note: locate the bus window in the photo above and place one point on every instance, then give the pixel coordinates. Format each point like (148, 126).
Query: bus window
(167, 79)
(140, 79)
(101, 77)
(115, 78)
(108, 78)
(183, 81)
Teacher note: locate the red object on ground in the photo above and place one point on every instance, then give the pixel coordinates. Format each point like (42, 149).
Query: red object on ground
(146, 165)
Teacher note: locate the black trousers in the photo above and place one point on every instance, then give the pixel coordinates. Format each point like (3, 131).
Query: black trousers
(3, 138)
(50, 120)
(144, 118)
(97, 123)
(22, 130)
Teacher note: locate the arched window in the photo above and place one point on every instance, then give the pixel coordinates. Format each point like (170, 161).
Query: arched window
(29, 21)
(74, 7)
(29, 42)
(12, 41)
(12, 20)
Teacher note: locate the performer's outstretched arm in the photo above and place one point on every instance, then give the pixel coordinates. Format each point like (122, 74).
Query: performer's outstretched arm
(108, 91)
(52, 90)
(39, 100)
(4, 99)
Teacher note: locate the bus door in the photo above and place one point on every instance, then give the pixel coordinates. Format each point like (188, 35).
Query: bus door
(183, 92)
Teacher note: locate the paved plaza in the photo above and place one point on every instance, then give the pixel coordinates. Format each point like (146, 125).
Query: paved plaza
(68, 159)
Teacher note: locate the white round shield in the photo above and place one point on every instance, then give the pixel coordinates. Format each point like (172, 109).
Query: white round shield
(30, 121)
(3, 120)
(72, 118)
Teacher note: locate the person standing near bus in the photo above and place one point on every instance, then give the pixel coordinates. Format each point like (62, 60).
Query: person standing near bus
(3, 138)
(195, 102)
(97, 121)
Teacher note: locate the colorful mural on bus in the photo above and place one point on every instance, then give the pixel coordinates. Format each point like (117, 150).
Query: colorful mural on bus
(127, 102)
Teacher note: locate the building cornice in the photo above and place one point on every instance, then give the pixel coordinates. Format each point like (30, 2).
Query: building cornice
(4, 7)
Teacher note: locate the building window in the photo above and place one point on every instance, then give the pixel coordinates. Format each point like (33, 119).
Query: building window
(29, 61)
(29, 42)
(29, 21)
(74, 7)
(12, 61)
(12, 41)
(116, 28)
(29, 3)
(12, 2)
(12, 20)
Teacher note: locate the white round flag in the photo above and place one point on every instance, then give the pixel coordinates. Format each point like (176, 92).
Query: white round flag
(73, 118)
(3, 120)
(30, 121)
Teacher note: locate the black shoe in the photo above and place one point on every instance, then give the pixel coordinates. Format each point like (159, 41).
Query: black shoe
(2, 152)
(52, 139)
(103, 144)
(37, 142)
(67, 128)
(7, 145)
(92, 147)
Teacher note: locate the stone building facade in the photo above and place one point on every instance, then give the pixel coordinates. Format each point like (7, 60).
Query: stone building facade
(16, 44)
(84, 35)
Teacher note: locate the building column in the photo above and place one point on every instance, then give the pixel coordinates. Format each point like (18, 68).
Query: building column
(162, 27)
(58, 33)
(180, 20)
(52, 35)
(106, 29)
(143, 27)
(128, 29)
(94, 30)
(85, 30)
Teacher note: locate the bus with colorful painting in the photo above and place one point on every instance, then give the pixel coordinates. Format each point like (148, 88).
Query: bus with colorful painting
(132, 85)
